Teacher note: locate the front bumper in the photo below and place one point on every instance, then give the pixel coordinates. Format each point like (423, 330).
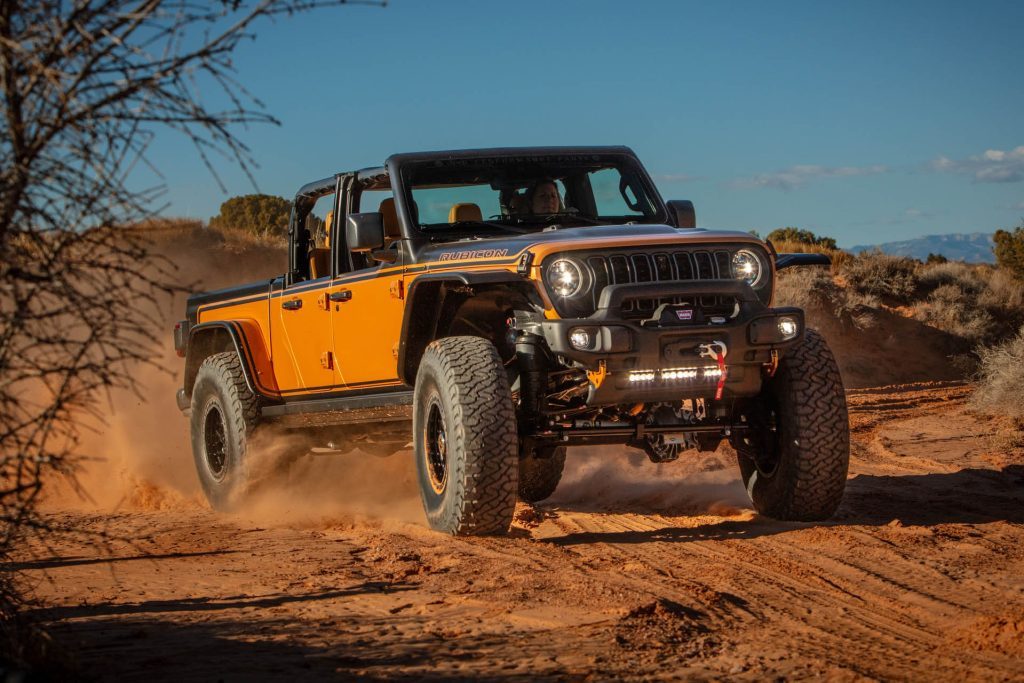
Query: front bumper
(660, 359)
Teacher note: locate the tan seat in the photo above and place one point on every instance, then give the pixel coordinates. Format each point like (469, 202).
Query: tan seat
(319, 263)
(392, 230)
(320, 257)
(464, 211)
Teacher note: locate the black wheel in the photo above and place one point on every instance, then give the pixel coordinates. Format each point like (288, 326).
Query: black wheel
(224, 415)
(795, 457)
(464, 437)
(539, 473)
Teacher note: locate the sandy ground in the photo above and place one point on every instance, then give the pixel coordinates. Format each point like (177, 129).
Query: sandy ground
(631, 571)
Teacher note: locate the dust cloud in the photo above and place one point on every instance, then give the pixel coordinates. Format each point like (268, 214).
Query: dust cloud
(139, 457)
(614, 478)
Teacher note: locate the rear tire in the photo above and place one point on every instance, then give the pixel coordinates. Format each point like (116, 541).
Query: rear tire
(795, 457)
(464, 437)
(224, 415)
(539, 474)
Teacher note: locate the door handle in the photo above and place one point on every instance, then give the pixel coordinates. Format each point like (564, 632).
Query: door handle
(341, 295)
(292, 305)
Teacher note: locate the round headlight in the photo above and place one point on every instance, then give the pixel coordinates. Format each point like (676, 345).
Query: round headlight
(564, 277)
(746, 266)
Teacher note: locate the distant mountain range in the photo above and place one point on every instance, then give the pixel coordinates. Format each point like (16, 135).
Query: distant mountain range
(974, 247)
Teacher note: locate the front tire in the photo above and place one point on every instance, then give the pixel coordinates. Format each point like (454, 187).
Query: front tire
(795, 457)
(464, 438)
(224, 415)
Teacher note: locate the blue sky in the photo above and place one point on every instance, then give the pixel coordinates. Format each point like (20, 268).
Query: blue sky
(866, 121)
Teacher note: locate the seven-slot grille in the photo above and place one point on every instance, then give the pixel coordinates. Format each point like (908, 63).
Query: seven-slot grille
(661, 266)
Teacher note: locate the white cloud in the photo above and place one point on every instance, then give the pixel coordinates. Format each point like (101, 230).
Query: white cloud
(796, 177)
(911, 215)
(991, 166)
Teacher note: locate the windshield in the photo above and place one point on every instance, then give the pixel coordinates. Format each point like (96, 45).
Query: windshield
(467, 197)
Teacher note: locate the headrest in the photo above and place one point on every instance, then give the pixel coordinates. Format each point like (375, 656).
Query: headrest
(328, 222)
(390, 219)
(466, 211)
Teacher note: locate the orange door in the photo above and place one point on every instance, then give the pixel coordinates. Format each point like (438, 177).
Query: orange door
(301, 340)
(367, 319)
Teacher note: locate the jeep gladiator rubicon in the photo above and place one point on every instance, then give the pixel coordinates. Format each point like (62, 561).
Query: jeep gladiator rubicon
(496, 306)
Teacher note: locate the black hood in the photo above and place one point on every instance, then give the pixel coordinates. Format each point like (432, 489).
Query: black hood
(511, 245)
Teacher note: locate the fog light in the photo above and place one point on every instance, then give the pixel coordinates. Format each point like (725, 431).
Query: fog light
(579, 338)
(788, 328)
(642, 376)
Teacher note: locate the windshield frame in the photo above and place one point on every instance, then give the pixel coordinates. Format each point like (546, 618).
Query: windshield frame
(620, 157)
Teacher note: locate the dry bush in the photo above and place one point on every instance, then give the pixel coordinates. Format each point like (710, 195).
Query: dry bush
(953, 310)
(968, 278)
(893, 279)
(978, 303)
(815, 289)
(1000, 378)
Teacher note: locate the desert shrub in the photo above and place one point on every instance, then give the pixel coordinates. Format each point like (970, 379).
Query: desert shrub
(816, 289)
(1009, 250)
(1002, 289)
(978, 303)
(953, 310)
(968, 278)
(1000, 377)
(807, 237)
(262, 215)
(893, 279)
(936, 258)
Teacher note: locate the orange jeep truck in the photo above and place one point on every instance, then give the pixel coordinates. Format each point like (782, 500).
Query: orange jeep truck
(493, 307)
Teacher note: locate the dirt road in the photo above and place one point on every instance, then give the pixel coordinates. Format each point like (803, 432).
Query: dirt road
(631, 571)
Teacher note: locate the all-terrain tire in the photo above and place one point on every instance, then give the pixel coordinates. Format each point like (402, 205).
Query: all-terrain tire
(464, 437)
(224, 415)
(797, 471)
(539, 474)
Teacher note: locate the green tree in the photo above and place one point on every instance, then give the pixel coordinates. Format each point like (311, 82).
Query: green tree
(263, 215)
(1009, 250)
(790, 234)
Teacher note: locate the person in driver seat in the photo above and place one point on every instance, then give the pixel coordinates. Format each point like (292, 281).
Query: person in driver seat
(543, 198)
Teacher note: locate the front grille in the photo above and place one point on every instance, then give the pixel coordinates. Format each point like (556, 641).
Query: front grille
(661, 266)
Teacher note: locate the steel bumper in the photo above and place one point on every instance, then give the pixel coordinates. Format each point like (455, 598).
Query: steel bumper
(667, 357)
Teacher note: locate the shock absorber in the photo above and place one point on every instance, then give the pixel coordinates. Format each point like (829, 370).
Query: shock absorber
(531, 357)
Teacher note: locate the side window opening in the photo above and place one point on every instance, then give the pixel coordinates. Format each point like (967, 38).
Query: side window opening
(381, 201)
(318, 224)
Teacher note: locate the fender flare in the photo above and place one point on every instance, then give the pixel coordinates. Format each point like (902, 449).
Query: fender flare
(422, 301)
(245, 338)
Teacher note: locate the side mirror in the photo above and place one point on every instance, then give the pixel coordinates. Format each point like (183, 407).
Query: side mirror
(364, 231)
(682, 211)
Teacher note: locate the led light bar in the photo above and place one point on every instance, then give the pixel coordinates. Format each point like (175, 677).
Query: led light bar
(708, 372)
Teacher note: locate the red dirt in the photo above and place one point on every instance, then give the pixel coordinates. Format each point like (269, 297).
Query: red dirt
(631, 570)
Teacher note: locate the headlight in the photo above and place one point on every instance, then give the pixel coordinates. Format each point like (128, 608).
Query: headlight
(564, 277)
(746, 266)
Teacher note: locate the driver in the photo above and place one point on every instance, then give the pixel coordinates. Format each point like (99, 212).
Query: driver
(543, 198)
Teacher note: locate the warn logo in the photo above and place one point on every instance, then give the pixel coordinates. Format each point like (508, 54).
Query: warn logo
(474, 254)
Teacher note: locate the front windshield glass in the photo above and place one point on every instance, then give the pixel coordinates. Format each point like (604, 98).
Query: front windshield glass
(480, 196)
